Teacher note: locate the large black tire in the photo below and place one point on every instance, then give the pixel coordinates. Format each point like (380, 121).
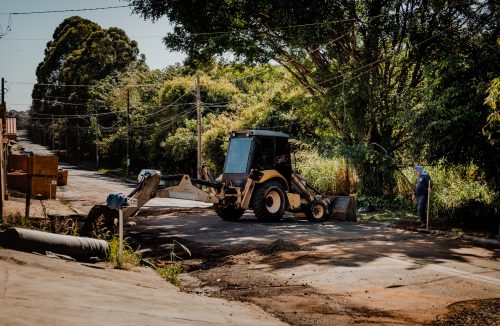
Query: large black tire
(269, 201)
(316, 211)
(228, 213)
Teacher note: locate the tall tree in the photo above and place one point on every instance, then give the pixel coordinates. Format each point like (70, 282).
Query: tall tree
(80, 54)
(361, 60)
(449, 127)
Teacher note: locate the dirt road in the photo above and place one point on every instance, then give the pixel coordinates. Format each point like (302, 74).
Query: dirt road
(319, 274)
(337, 273)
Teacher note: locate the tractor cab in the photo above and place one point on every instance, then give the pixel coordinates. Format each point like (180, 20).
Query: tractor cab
(256, 149)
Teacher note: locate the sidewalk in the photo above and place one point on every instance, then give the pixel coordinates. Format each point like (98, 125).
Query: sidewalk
(37, 290)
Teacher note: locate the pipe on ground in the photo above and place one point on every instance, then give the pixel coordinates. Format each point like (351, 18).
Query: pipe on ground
(38, 241)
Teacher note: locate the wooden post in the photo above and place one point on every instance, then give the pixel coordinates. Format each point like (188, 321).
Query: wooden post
(28, 189)
(120, 235)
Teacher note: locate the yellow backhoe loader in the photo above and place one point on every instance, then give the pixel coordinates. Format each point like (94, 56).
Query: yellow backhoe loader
(257, 175)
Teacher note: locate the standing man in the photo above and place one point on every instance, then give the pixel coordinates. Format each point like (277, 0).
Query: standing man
(422, 193)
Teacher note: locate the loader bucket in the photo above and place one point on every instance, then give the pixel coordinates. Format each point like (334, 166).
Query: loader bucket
(343, 208)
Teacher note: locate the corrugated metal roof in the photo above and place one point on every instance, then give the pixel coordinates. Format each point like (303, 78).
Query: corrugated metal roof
(11, 126)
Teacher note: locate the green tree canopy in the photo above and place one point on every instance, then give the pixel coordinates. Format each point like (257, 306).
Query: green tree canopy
(362, 61)
(78, 57)
(81, 53)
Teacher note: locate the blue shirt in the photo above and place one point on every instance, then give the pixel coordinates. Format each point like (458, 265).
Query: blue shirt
(423, 182)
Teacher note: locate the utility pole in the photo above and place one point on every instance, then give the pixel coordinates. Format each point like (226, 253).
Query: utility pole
(78, 140)
(96, 138)
(53, 132)
(3, 107)
(198, 117)
(66, 125)
(3, 91)
(96, 143)
(128, 132)
(3, 152)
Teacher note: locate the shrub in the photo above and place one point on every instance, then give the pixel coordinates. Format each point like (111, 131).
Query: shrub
(171, 272)
(393, 203)
(129, 256)
(18, 220)
(460, 192)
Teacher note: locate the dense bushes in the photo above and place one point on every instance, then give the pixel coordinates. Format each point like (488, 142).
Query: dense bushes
(462, 194)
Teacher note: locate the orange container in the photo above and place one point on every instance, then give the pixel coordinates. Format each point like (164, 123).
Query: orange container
(44, 165)
(17, 181)
(62, 177)
(43, 187)
(17, 162)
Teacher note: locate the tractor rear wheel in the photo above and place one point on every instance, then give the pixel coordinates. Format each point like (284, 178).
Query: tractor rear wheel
(269, 201)
(228, 213)
(316, 211)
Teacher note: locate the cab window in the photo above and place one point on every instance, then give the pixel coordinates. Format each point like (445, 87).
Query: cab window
(237, 155)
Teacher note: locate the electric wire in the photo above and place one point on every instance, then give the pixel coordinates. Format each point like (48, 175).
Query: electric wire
(62, 10)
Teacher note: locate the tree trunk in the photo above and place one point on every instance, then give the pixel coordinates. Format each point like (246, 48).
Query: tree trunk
(376, 178)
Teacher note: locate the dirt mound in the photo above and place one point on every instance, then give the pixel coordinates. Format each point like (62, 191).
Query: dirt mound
(472, 313)
(283, 245)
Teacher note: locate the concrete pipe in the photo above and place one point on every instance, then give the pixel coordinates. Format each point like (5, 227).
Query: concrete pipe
(38, 241)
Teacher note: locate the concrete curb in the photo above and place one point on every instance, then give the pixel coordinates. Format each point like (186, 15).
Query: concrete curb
(482, 241)
(488, 242)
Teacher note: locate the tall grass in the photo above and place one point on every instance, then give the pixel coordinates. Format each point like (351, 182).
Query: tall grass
(460, 193)
(327, 175)
(171, 270)
(456, 187)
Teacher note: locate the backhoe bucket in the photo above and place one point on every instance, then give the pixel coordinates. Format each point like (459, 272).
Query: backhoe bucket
(343, 208)
(101, 219)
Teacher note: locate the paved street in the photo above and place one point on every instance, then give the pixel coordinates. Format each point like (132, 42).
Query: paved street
(394, 276)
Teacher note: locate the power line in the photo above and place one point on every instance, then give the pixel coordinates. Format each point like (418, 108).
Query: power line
(45, 39)
(346, 20)
(62, 10)
(180, 74)
(224, 33)
(373, 64)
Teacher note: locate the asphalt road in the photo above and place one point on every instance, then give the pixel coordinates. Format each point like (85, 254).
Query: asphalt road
(411, 276)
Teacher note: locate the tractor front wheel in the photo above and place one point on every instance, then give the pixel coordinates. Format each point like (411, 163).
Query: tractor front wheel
(269, 201)
(228, 213)
(316, 211)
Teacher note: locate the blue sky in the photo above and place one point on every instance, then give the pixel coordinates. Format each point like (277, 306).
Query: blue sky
(22, 48)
